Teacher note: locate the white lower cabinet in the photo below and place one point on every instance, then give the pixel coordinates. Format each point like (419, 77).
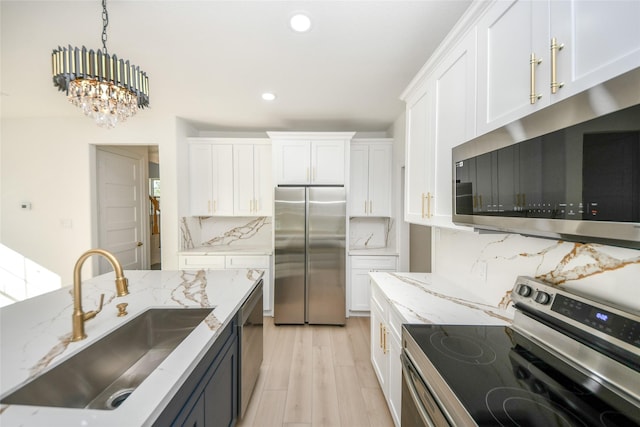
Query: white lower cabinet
(361, 265)
(228, 262)
(386, 326)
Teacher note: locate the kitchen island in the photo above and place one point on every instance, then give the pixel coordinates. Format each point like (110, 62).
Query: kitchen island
(36, 335)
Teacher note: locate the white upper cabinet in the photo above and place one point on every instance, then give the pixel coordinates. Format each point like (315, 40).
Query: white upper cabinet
(370, 183)
(455, 120)
(419, 155)
(440, 115)
(252, 180)
(600, 39)
(534, 53)
(310, 158)
(210, 178)
(230, 177)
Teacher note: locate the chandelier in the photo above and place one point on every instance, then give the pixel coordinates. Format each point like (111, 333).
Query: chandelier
(108, 89)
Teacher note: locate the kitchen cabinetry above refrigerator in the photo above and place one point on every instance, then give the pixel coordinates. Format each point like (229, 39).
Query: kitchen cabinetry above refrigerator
(310, 158)
(370, 183)
(230, 177)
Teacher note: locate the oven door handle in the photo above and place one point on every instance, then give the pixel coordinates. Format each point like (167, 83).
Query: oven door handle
(410, 376)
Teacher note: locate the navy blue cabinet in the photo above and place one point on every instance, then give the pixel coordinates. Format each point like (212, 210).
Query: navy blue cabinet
(209, 397)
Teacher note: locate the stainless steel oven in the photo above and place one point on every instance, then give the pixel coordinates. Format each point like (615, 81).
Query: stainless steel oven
(565, 361)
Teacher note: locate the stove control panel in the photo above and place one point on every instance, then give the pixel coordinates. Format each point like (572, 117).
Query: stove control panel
(594, 317)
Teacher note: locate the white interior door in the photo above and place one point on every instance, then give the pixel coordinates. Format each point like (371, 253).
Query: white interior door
(121, 206)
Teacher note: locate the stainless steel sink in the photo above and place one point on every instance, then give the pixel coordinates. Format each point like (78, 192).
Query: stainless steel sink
(103, 375)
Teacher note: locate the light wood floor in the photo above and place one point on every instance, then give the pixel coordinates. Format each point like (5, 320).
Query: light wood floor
(317, 376)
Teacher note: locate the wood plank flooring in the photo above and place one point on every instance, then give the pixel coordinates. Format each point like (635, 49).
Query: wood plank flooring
(317, 376)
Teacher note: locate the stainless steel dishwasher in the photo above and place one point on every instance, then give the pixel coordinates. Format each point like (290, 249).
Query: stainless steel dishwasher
(250, 337)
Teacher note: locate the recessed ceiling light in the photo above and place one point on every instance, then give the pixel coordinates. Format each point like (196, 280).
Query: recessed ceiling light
(300, 22)
(268, 96)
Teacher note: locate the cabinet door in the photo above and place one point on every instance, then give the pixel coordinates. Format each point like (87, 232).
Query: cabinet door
(395, 378)
(196, 416)
(359, 183)
(243, 180)
(200, 180)
(419, 157)
(509, 33)
(222, 173)
(293, 162)
(380, 163)
(455, 119)
(360, 290)
(601, 40)
(262, 182)
(327, 162)
(221, 393)
(378, 353)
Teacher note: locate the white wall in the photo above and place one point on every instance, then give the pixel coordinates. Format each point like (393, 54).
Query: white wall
(47, 162)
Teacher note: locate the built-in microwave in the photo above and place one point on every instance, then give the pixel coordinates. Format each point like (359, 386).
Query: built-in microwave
(580, 182)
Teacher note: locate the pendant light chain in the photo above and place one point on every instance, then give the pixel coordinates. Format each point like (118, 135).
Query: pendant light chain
(105, 23)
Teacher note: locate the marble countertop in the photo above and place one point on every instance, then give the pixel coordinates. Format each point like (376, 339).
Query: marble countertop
(379, 251)
(228, 250)
(36, 335)
(428, 298)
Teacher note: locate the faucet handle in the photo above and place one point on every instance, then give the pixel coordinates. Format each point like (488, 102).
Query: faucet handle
(92, 314)
(122, 309)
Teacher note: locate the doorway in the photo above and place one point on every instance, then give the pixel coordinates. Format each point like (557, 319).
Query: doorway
(127, 206)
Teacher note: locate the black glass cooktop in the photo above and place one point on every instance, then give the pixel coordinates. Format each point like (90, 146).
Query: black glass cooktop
(495, 374)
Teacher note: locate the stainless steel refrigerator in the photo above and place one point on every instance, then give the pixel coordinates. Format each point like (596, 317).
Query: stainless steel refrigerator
(310, 257)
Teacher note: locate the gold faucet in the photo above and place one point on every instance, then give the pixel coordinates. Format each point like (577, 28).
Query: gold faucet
(79, 317)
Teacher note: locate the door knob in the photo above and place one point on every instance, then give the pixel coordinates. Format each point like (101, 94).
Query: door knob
(139, 244)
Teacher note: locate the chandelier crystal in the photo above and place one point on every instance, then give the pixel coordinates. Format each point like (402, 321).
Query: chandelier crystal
(107, 89)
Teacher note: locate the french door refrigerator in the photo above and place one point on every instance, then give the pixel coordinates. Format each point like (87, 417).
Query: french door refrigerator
(310, 257)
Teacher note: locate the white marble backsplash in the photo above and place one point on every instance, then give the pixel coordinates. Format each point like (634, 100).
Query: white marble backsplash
(371, 233)
(605, 273)
(198, 232)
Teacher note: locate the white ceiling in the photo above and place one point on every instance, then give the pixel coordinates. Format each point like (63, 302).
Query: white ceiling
(209, 61)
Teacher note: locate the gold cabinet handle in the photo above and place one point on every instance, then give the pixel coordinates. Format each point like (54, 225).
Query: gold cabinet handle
(422, 200)
(475, 201)
(381, 335)
(555, 47)
(429, 196)
(384, 347)
(533, 62)
(370, 207)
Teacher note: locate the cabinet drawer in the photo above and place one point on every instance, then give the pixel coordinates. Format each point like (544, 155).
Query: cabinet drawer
(381, 262)
(186, 262)
(243, 261)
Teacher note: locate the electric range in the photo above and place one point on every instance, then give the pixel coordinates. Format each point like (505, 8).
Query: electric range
(565, 361)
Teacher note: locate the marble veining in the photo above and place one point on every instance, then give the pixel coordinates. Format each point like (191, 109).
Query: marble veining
(601, 272)
(371, 233)
(243, 232)
(429, 298)
(218, 232)
(602, 263)
(468, 303)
